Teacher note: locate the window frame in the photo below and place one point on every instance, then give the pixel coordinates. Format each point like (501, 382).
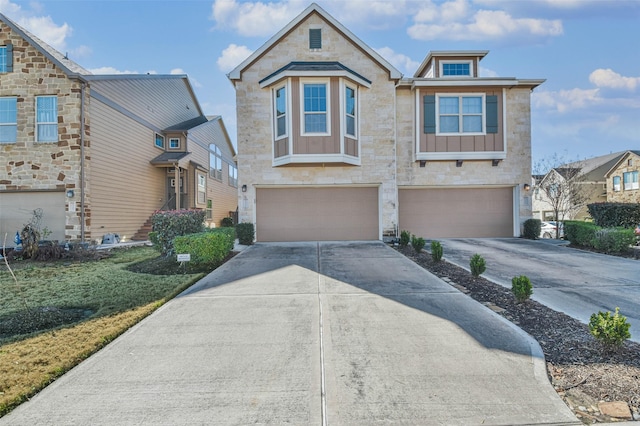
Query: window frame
(39, 123)
(216, 155)
(13, 125)
(633, 180)
(171, 140)
(158, 137)
(201, 188)
(3, 59)
(345, 88)
(461, 114)
(285, 116)
(617, 187)
(233, 175)
(303, 113)
(469, 62)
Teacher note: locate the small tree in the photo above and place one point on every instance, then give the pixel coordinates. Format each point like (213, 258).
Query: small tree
(521, 288)
(610, 330)
(477, 265)
(436, 251)
(405, 238)
(417, 243)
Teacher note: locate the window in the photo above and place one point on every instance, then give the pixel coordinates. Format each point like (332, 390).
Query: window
(159, 141)
(281, 112)
(616, 183)
(8, 120)
(202, 188)
(460, 114)
(209, 209)
(630, 180)
(315, 101)
(315, 38)
(174, 143)
(630, 162)
(46, 119)
(350, 111)
(6, 58)
(215, 162)
(233, 176)
(456, 69)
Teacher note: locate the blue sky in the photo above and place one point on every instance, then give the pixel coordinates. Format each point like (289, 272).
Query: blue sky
(588, 51)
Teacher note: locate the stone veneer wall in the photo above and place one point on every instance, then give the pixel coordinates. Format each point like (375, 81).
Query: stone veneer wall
(377, 123)
(622, 196)
(29, 165)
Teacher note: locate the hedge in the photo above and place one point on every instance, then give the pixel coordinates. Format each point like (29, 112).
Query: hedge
(580, 233)
(612, 215)
(169, 224)
(532, 228)
(207, 249)
(607, 240)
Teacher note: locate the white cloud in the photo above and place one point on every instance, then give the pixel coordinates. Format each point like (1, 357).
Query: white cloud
(177, 71)
(404, 63)
(486, 72)
(612, 80)
(81, 51)
(111, 71)
(255, 19)
(232, 56)
(42, 27)
(567, 100)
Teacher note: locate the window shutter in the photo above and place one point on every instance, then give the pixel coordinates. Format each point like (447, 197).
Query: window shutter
(492, 114)
(315, 38)
(430, 114)
(9, 57)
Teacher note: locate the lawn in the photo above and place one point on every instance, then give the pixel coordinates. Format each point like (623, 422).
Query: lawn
(55, 314)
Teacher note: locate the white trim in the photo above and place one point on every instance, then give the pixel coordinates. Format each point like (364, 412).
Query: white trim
(174, 139)
(459, 61)
(327, 83)
(316, 159)
(343, 111)
(465, 155)
(155, 139)
(418, 131)
(466, 82)
(460, 114)
(287, 112)
(312, 74)
(504, 122)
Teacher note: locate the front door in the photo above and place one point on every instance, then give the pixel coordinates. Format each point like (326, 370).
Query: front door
(171, 192)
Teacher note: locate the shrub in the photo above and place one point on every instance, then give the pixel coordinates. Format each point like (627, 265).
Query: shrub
(610, 330)
(246, 233)
(612, 215)
(169, 224)
(532, 229)
(226, 222)
(613, 240)
(207, 249)
(436, 251)
(405, 238)
(477, 264)
(521, 288)
(580, 233)
(229, 232)
(417, 243)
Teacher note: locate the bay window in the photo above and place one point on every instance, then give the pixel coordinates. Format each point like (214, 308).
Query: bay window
(280, 112)
(630, 180)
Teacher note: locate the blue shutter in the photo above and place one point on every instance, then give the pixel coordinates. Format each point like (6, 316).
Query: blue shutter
(9, 58)
(430, 114)
(492, 114)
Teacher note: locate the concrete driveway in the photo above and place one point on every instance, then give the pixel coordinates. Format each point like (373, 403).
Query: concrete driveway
(310, 334)
(578, 283)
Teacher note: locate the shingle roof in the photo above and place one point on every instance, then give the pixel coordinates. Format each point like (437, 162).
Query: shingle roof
(314, 66)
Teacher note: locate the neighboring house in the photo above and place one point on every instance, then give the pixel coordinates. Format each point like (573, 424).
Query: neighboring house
(100, 154)
(622, 179)
(334, 143)
(590, 182)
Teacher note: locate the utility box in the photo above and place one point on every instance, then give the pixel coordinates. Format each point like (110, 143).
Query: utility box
(110, 239)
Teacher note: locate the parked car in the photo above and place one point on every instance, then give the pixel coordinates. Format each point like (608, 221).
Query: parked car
(637, 231)
(548, 230)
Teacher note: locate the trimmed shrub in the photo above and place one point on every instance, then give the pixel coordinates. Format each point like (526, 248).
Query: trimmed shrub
(436, 251)
(226, 222)
(532, 228)
(207, 249)
(613, 240)
(613, 215)
(610, 330)
(245, 233)
(229, 232)
(169, 224)
(477, 265)
(405, 238)
(521, 288)
(417, 243)
(580, 233)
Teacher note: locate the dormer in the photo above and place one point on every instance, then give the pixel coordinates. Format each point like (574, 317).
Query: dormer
(451, 64)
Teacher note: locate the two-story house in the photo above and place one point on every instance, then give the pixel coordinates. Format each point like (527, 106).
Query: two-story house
(334, 143)
(100, 154)
(622, 179)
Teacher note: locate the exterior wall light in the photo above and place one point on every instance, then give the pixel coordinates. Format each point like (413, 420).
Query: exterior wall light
(70, 193)
(244, 188)
(527, 187)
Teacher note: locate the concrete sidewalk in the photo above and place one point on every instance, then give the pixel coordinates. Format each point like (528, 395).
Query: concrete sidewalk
(311, 333)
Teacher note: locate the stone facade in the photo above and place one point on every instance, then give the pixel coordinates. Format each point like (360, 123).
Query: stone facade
(630, 162)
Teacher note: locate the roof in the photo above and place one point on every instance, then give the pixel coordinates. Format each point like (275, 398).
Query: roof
(169, 158)
(62, 61)
(594, 169)
(315, 68)
(620, 160)
(236, 73)
(449, 53)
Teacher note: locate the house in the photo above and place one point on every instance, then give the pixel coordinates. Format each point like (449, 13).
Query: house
(589, 184)
(334, 143)
(98, 154)
(622, 179)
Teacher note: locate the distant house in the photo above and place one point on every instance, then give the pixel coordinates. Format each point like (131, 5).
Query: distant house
(622, 179)
(334, 143)
(100, 154)
(590, 181)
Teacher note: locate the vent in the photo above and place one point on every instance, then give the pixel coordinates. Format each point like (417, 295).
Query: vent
(315, 38)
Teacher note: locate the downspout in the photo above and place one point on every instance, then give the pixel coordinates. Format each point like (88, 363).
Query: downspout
(82, 116)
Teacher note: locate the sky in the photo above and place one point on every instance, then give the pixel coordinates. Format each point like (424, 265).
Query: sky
(587, 50)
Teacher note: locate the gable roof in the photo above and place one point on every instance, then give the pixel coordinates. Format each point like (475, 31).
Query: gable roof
(69, 67)
(236, 73)
(620, 160)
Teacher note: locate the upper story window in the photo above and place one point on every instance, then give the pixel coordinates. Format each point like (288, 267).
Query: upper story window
(159, 142)
(456, 69)
(215, 162)
(174, 143)
(350, 111)
(315, 117)
(202, 188)
(46, 119)
(233, 175)
(616, 183)
(6, 58)
(315, 38)
(460, 114)
(280, 112)
(8, 120)
(631, 180)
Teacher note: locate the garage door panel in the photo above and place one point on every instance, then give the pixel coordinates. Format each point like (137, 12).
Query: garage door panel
(453, 213)
(316, 214)
(16, 210)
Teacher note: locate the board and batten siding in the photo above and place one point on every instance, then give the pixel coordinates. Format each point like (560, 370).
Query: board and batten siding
(124, 189)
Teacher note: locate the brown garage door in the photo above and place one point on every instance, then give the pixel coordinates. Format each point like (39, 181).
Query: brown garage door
(16, 210)
(316, 214)
(462, 212)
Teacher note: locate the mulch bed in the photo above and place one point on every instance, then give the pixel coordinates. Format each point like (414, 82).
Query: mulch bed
(582, 373)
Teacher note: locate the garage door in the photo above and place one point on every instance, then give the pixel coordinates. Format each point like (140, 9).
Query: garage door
(16, 210)
(462, 212)
(316, 214)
